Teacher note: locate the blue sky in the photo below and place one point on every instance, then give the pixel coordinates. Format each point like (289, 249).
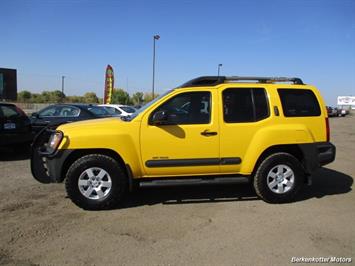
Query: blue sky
(43, 40)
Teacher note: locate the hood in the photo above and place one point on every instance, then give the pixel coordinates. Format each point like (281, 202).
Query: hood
(92, 124)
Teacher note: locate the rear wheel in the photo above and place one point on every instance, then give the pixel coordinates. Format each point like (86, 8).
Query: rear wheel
(96, 182)
(278, 178)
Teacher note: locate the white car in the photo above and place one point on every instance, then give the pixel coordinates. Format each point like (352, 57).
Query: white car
(119, 109)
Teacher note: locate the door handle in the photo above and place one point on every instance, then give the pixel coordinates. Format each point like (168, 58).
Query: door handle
(208, 133)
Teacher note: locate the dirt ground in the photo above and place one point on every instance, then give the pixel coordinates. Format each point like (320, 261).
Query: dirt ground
(213, 225)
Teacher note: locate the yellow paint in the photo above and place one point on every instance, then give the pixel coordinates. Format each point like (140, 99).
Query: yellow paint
(137, 141)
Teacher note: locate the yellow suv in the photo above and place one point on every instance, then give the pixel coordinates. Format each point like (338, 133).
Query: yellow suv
(272, 132)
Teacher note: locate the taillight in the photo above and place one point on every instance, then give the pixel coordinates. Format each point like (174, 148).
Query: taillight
(327, 128)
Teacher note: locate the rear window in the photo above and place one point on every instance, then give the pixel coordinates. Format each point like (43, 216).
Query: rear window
(113, 110)
(98, 110)
(298, 103)
(9, 111)
(128, 109)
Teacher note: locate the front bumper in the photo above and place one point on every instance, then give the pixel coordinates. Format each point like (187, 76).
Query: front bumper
(46, 167)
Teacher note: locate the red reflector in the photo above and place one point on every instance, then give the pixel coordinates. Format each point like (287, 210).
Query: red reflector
(327, 128)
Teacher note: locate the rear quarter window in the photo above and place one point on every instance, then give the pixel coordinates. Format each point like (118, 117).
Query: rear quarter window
(299, 102)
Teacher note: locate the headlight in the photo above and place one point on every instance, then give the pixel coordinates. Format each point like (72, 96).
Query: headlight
(54, 141)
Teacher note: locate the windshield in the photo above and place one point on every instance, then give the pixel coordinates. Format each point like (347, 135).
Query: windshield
(147, 105)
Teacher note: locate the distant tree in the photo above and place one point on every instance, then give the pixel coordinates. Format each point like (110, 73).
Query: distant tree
(74, 99)
(148, 96)
(56, 96)
(90, 97)
(37, 98)
(24, 96)
(120, 96)
(137, 98)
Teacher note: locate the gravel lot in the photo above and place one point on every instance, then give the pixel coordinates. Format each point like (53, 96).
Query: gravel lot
(219, 225)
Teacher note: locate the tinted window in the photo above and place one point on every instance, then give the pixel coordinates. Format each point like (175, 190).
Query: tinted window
(297, 102)
(244, 105)
(51, 111)
(113, 110)
(188, 108)
(261, 104)
(99, 111)
(9, 111)
(128, 109)
(69, 111)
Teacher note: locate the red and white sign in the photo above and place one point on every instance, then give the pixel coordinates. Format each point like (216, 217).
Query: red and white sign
(346, 100)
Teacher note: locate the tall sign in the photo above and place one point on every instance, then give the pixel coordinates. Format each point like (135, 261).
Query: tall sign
(109, 82)
(8, 84)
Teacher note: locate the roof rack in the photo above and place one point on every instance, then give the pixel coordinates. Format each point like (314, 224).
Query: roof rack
(216, 80)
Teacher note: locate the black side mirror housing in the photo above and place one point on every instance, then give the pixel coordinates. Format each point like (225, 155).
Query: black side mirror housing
(161, 118)
(35, 115)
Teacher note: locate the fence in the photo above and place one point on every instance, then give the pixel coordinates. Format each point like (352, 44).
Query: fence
(29, 108)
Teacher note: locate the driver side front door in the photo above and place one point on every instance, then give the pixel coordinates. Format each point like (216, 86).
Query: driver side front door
(189, 143)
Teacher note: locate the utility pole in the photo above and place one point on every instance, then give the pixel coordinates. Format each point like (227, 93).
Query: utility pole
(219, 67)
(155, 37)
(63, 77)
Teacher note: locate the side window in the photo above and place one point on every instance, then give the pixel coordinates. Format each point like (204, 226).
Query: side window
(188, 108)
(112, 110)
(50, 111)
(69, 111)
(298, 103)
(244, 105)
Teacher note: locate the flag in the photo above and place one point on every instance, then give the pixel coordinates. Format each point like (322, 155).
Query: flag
(109, 81)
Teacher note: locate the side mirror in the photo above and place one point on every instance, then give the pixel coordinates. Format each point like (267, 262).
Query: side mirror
(35, 115)
(161, 118)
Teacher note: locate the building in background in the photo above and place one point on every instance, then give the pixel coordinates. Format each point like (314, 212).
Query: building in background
(8, 84)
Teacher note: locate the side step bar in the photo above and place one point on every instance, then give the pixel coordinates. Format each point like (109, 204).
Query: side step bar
(194, 181)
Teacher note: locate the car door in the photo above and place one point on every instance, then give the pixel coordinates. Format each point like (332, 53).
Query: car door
(188, 143)
(245, 112)
(45, 117)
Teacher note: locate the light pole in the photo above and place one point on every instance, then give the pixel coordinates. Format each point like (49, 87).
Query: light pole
(155, 37)
(219, 67)
(63, 77)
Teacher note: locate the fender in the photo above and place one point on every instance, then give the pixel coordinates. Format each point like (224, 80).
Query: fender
(265, 138)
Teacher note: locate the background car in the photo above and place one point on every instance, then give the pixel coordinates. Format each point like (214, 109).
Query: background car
(342, 112)
(15, 127)
(332, 111)
(57, 114)
(119, 109)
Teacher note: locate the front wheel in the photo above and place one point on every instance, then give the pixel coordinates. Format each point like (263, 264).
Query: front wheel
(96, 182)
(278, 178)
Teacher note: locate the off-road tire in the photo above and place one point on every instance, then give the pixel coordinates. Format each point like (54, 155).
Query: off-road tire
(112, 167)
(260, 178)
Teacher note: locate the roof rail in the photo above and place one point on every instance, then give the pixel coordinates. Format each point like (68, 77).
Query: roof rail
(216, 80)
(265, 79)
